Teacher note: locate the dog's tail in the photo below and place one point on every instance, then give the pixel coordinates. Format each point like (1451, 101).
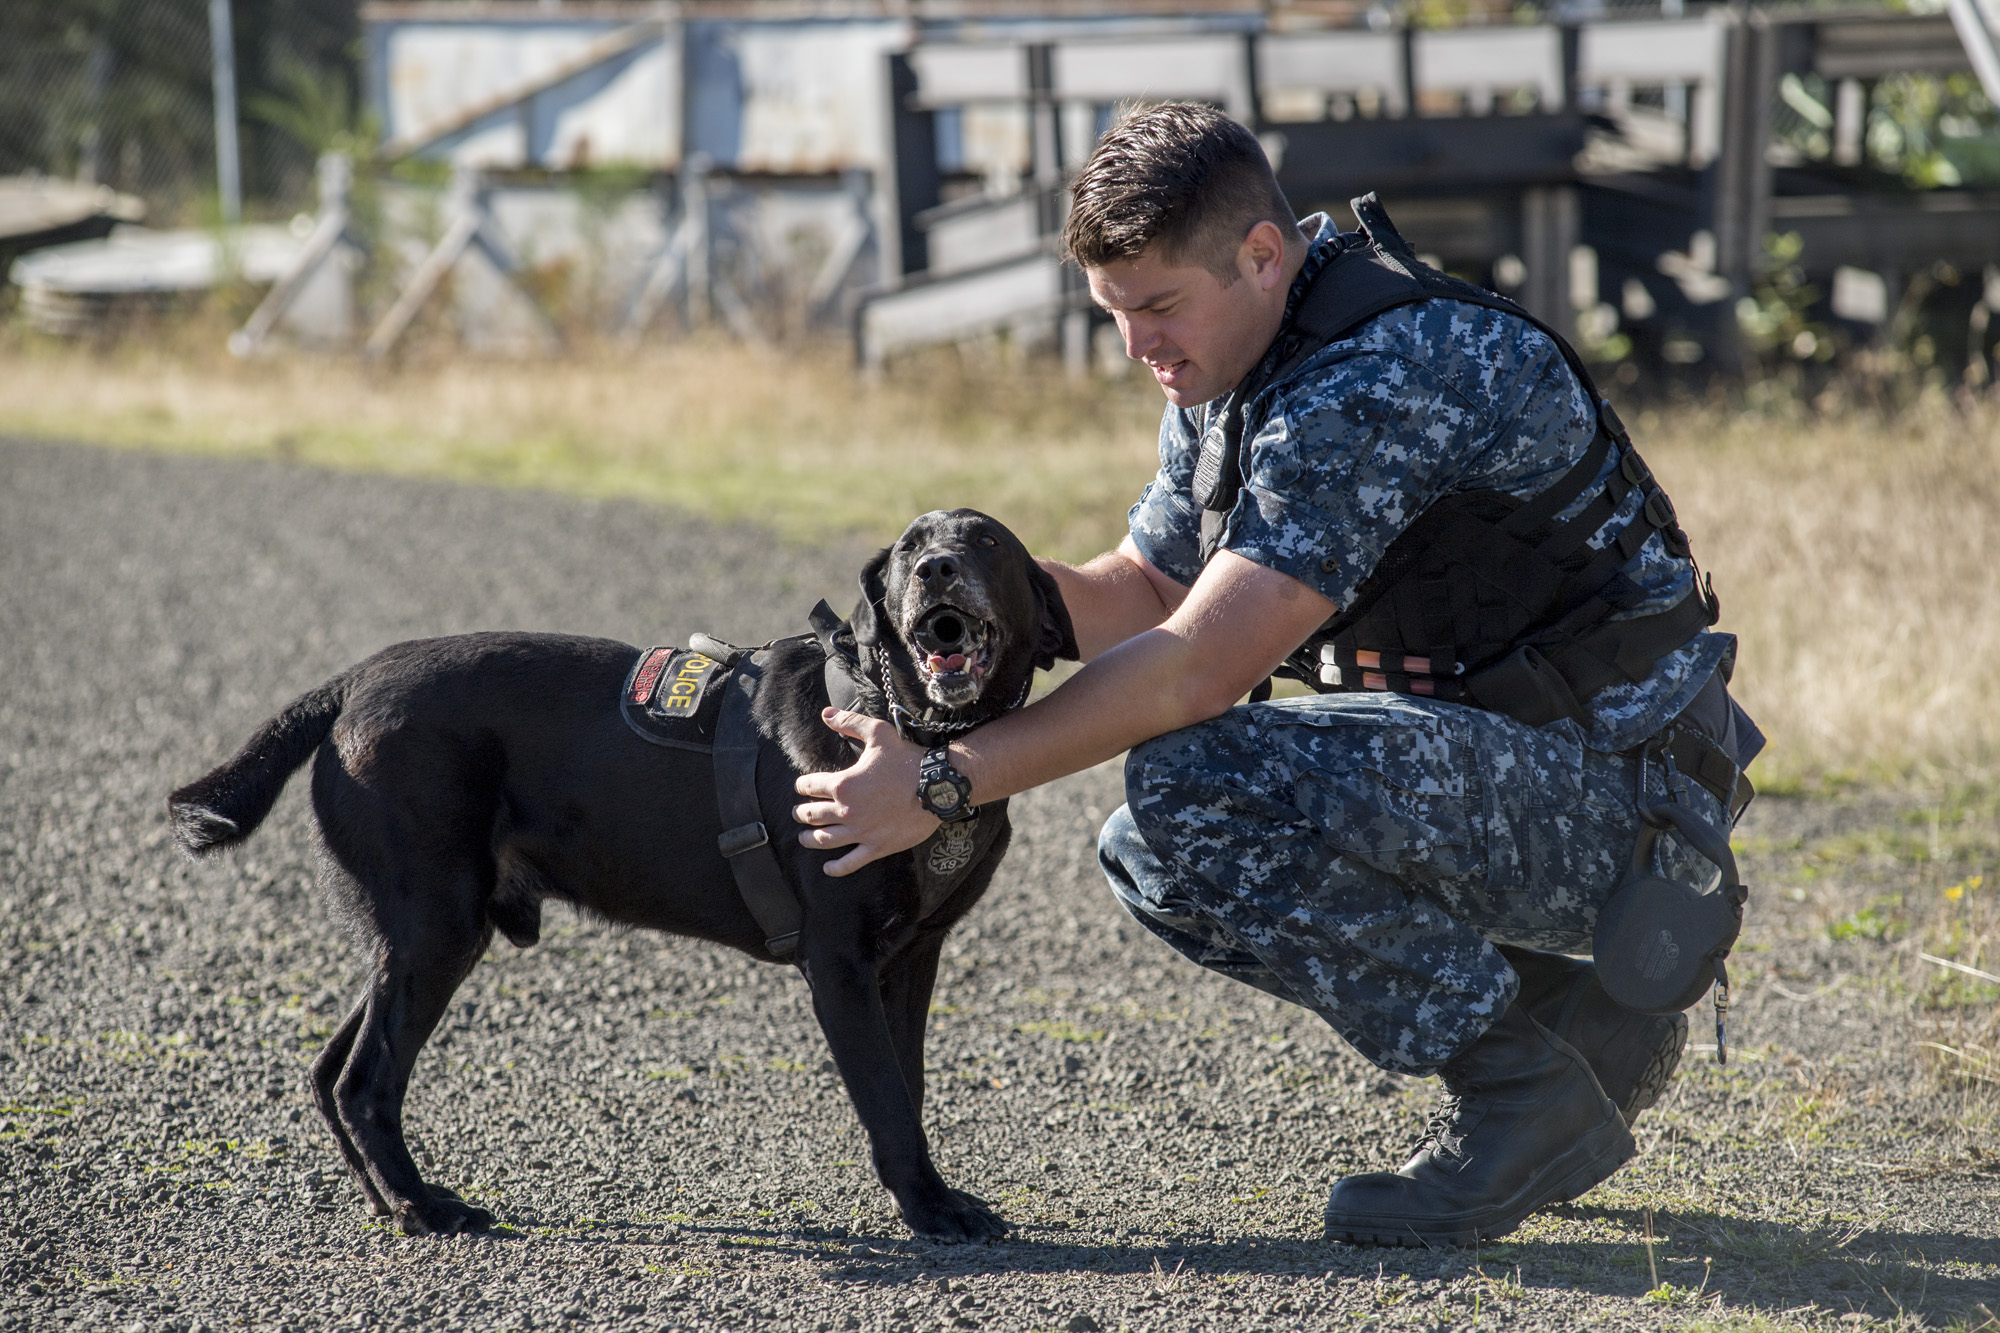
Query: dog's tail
(228, 804)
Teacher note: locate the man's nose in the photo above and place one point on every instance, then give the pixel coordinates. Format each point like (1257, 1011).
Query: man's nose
(1141, 337)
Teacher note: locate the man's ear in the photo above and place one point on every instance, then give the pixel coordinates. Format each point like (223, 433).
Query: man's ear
(1056, 636)
(866, 621)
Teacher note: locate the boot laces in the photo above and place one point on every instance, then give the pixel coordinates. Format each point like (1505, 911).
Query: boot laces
(1441, 1132)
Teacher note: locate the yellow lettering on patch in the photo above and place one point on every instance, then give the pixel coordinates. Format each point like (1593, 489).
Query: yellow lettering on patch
(687, 681)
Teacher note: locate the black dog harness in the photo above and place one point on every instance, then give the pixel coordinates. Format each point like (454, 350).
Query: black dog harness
(700, 699)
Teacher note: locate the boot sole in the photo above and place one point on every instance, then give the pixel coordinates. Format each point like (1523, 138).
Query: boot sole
(1571, 1176)
(1668, 1035)
(1652, 1082)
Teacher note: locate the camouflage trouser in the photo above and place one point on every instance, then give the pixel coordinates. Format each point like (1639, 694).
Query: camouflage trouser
(1360, 854)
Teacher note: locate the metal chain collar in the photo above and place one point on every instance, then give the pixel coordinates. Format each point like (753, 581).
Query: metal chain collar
(903, 718)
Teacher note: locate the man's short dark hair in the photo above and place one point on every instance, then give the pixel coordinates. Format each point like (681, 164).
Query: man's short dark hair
(1180, 176)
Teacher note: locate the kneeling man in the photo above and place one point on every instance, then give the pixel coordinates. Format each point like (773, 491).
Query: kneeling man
(1402, 490)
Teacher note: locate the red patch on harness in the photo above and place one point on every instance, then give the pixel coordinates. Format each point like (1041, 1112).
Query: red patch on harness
(648, 675)
(672, 697)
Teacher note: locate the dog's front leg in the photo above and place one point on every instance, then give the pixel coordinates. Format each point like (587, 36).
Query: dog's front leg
(907, 983)
(847, 998)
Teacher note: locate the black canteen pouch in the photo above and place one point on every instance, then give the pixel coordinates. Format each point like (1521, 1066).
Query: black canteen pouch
(1660, 944)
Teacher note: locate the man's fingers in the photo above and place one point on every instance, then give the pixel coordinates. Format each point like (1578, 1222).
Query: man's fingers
(824, 814)
(850, 863)
(827, 839)
(855, 726)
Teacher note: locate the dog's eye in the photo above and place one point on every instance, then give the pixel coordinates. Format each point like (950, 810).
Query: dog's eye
(986, 539)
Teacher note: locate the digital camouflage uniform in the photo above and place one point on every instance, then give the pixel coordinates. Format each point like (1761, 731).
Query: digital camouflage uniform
(1361, 853)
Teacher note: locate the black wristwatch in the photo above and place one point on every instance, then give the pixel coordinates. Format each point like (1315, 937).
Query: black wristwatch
(942, 789)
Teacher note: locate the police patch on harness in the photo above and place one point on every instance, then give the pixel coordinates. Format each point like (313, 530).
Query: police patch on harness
(671, 698)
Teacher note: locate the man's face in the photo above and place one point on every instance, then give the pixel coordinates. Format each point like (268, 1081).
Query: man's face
(1197, 336)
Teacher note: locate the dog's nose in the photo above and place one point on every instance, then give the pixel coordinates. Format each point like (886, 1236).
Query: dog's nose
(937, 572)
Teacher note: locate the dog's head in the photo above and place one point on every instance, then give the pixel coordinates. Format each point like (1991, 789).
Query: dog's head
(962, 614)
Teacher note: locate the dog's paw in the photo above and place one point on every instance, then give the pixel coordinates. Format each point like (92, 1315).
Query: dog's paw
(442, 1214)
(957, 1218)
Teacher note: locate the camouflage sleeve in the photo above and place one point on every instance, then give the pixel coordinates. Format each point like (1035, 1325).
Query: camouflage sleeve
(1165, 523)
(1344, 462)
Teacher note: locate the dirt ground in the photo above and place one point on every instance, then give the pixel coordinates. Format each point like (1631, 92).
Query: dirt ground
(655, 1122)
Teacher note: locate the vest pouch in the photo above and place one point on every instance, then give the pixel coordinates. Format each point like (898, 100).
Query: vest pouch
(1526, 687)
(1659, 943)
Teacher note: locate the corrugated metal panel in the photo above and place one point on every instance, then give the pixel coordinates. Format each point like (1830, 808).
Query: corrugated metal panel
(791, 98)
(520, 94)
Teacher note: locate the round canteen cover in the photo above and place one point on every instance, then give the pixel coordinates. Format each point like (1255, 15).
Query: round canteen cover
(1657, 942)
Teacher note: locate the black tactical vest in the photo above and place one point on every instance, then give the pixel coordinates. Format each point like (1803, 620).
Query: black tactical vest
(1485, 599)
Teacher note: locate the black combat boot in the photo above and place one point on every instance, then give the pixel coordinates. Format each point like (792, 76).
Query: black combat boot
(1522, 1125)
(1634, 1055)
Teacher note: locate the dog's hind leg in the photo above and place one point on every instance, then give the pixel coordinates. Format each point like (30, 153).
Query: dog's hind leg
(407, 996)
(325, 1072)
(407, 814)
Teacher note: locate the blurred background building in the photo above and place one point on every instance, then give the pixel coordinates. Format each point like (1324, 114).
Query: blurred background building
(1692, 189)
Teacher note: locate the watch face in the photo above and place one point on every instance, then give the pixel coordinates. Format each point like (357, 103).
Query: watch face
(943, 796)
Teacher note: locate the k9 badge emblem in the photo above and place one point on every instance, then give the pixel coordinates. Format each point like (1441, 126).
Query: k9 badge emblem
(951, 849)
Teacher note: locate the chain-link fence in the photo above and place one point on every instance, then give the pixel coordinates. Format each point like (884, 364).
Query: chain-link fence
(120, 92)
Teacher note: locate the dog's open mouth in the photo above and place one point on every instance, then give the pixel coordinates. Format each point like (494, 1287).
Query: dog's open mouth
(953, 650)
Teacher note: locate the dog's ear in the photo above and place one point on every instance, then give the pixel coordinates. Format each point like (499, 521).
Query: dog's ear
(1056, 637)
(866, 622)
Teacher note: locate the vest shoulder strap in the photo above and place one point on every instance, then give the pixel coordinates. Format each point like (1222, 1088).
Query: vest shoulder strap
(1369, 275)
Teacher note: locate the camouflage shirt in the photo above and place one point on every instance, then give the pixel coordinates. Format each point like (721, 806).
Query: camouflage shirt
(1425, 401)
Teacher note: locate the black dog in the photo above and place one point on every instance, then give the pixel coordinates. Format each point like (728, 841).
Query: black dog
(460, 781)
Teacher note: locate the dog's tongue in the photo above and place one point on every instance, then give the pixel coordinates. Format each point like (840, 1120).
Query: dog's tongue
(956, 662)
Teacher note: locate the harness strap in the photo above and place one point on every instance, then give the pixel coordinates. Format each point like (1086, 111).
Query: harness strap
(842, 672)
(745, 843)
(709, 646)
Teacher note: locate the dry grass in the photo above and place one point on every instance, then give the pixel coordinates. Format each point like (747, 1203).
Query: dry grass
(1855, 558)
(1851, 552)
(793, 440)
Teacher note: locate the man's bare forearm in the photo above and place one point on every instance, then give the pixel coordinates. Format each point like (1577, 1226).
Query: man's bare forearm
(1132, 692)
(1204, 658)
(1114, 597)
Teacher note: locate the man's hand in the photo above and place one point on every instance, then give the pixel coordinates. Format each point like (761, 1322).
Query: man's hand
(871, 805)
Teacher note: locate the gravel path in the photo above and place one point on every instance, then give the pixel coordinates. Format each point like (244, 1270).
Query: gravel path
(655, 1121)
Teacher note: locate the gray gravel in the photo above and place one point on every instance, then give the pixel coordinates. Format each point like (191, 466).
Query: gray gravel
(655, 1121)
